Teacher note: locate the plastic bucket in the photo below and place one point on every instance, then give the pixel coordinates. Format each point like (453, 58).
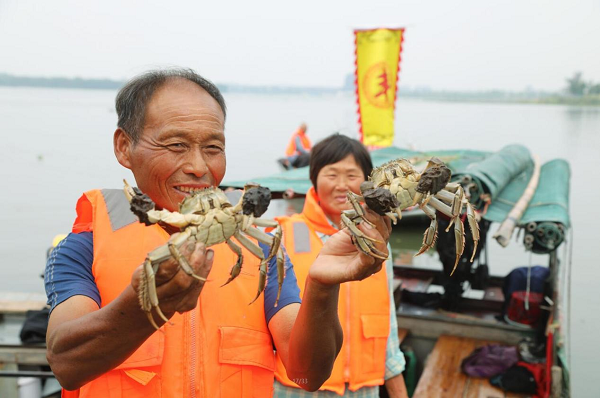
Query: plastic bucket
(29, 387)
(526, 314)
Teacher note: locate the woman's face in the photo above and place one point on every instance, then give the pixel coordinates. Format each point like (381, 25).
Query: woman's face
(333, 183)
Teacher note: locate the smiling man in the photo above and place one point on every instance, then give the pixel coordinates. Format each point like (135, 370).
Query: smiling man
(171, 136)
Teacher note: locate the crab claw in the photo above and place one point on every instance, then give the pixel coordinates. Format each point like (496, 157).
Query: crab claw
(418, 198)
(129, 192)
(459, 236)
(262, 280)
(256, 201)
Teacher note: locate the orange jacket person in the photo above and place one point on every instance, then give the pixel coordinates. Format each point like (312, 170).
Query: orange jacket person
(170, 134)
(370, 354)
(298, 147)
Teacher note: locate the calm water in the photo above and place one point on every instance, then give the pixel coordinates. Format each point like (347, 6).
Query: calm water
(55, 144)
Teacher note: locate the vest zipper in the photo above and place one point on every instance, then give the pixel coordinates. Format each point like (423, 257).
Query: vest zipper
(193, 354)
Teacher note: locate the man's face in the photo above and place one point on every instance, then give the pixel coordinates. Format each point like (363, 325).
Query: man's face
(181, 147)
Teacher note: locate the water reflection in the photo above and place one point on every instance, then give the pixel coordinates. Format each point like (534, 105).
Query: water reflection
(577, 113)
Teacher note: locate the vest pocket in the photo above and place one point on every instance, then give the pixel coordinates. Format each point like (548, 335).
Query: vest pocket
(376, 329)
(137, 377)
(247, 363)
(133, 383)
(148, 354)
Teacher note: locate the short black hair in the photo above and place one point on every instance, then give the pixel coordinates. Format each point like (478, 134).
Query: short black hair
(133, 98)
(334, 148)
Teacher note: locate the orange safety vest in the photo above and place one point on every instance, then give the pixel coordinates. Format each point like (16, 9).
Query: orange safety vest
(292, 149)
(222, 348)
(363, 309)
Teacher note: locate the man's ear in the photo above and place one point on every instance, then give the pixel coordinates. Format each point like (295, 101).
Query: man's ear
(122, 147)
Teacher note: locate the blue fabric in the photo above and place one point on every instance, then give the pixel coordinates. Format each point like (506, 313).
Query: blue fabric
(290, 292)
(299, 147)
(69, 273)
(69, 270)
(516, 281)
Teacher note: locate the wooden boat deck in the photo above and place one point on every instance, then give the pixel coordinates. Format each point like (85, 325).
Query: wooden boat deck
(443, 378)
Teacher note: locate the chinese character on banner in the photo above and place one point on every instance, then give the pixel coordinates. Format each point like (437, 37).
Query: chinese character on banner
(377, 68)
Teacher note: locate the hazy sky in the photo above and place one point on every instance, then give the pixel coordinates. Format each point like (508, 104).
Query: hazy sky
(466, 45)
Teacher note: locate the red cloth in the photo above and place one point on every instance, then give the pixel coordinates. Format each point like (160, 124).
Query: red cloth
(538, 370)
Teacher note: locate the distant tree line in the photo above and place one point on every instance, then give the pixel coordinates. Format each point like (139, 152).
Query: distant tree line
(58, 82)
(579, 87)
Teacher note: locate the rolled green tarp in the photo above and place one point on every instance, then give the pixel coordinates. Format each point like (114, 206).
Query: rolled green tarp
(490, 176)
(546, 219)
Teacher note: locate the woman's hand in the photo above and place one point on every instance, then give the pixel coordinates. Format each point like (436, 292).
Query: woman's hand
(340, 261)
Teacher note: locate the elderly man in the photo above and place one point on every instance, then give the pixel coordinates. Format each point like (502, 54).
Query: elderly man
(171, 136)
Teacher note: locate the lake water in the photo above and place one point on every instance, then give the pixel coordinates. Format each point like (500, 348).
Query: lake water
(56, 144)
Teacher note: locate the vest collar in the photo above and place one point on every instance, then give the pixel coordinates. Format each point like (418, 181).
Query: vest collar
(315, 214)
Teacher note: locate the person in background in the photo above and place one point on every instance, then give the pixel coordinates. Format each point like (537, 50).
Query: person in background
(298, 150)
(370, 354)
(100, 343)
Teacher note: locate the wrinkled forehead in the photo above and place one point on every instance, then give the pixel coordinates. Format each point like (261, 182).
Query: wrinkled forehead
(185, 101)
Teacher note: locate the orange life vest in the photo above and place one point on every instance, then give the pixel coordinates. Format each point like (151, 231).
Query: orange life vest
(292, 149)
(363, 309)
(222, 348)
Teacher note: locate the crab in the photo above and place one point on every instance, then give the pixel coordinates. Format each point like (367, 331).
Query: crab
(207, 216)
(395, 186)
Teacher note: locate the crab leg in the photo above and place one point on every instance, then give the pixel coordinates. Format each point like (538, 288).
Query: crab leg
(459, 237)
(367, 248)
(259, 222)
(354, 229)
(280, 272)
(237, 267)
(147, 295)
(440, 206)
(174, 245)
(354, 200)
(361, 241)
(174, 219)
(430, 235)
(459, 233)
(473, 226)
(261, 236)
(274, 242)
(454, 194)
(257, 251)
(447, 196)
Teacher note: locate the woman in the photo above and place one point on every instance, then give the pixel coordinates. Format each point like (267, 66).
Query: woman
(370, 355)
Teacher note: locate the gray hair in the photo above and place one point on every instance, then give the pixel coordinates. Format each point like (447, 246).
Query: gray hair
(133, 98)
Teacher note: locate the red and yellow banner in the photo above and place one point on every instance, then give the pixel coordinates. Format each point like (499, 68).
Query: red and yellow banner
(377, 68)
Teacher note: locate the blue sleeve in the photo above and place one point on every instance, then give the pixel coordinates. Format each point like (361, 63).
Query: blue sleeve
(69, 270)
(290, 293)
(299, 147)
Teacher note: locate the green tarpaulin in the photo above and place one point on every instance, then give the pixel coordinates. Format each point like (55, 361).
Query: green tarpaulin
(501, 175)
(298, 181)
(489, 177)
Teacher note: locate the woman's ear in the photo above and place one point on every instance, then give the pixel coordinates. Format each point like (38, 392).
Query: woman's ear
(122, 147)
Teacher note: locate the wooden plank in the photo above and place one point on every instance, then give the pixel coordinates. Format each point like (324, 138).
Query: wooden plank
(23, 355)
(19, 303)
(443, 378)
(481, 388)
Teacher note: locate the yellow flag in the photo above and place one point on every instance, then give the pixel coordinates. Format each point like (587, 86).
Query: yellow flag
(377, 67)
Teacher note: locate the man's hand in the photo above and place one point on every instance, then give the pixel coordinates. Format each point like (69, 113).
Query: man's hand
(176, 290)
(340, 261)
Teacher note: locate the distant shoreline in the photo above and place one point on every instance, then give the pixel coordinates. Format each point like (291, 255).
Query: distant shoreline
(488, 96)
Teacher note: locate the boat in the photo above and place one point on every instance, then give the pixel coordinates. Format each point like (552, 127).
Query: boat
(440, 322)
